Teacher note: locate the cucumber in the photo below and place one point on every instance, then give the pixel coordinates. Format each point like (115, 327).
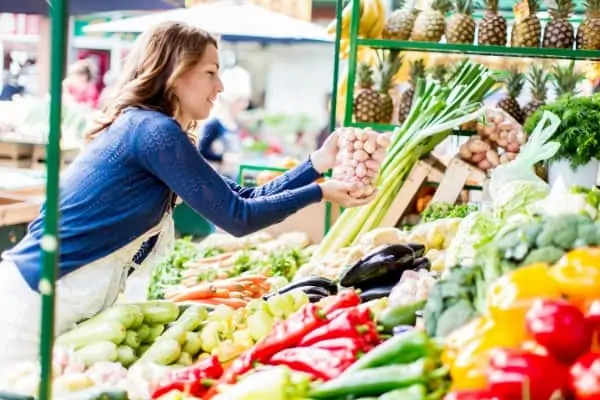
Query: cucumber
(139, 320)
(132, 339)
(143, 332)
(159, 312)
(126, 355)
(141, 350)
(193, 343)
(185, 359)
(191, 318)
(175, 332)
(400, 315)
(163, 352)
(98, 331)
(97, 352)
(126, 314)
(155, 332)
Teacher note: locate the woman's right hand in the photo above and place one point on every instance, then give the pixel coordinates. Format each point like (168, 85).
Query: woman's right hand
(338, 192)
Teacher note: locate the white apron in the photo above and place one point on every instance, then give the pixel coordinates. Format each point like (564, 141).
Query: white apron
(79, 295)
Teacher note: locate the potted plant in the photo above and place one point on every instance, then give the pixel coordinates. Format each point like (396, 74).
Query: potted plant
(576, 162)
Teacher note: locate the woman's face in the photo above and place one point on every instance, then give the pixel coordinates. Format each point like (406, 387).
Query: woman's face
(197, 89)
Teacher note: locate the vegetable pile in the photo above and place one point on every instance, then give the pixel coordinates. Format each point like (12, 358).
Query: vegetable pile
(360, 157)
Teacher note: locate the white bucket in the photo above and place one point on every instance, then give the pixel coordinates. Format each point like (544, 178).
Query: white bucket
(585, 175)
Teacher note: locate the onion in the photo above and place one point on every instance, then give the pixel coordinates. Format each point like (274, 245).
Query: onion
(360, 135)
(383, 140)
(358, 145)
(378, 155)
(361, 170)
(370, 146)
(372, 164)
(360, 155)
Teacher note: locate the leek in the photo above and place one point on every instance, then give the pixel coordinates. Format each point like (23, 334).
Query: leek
(435, 112)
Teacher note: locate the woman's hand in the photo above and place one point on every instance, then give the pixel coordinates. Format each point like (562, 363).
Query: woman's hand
(323, 159)
(339, 193)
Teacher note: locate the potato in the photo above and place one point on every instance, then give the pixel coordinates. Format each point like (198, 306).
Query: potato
(372, 164)
(502, 142)
(464, 152)
(360, 135)
(361, 170)
(494, 137)
(358, 145)
(477, 157)
(350, 135)
(489, 129)
(378, 155)
(360, 155)
(370, 146)
(383, 140)
(477, 146)
(484, 165)
(492, 157)
(513, 147)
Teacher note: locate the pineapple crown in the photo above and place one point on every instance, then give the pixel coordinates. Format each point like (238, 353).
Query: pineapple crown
(592, 7)
(365, 76)
(513, 80)
(533, 6)
(463, 6)
(439, 73)
(441, 5)
(489, 5)
(417, 70)
(388, 64)
(565, 79)
(563, 9)
(538, 80)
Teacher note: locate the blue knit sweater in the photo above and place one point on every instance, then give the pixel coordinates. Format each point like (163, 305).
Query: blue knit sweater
(121, 185)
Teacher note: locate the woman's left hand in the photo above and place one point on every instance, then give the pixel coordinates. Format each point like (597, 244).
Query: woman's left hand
(323, 159)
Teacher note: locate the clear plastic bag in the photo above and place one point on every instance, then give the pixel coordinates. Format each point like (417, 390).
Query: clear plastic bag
(361, 152)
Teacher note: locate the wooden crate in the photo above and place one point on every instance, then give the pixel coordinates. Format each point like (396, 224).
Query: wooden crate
(15, 154)
(38, 157)
(14, 210)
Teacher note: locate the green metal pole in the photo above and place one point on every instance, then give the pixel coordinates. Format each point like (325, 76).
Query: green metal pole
(50, 240)
(352, 58)
(336, 76)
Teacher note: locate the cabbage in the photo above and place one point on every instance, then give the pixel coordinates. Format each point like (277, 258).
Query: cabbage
(516, 196)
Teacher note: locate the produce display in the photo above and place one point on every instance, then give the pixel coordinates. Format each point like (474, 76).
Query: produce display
(360, 157)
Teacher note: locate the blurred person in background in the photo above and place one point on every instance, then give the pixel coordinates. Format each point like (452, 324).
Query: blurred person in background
(79, 84)
(220, 140)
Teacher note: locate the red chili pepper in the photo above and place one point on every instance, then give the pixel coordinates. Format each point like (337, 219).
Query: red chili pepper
(483, 394)
(560, 327)
(354, 345)
(344, 299)
(351, 323)
(516, 374)
(320, 363)
(285, 334)
(585, 377)
(191, 380)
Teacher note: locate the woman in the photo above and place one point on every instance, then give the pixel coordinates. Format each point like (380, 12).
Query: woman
(118, 194)
(219, 139)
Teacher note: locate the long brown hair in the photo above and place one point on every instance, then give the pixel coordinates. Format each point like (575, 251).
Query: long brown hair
(159, 57)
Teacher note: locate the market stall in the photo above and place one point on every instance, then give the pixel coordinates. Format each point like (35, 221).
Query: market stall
(489, 300)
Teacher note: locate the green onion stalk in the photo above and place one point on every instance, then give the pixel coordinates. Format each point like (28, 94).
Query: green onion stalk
(435, 112)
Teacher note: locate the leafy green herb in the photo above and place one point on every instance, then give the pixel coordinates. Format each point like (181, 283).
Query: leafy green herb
(578, 131)
(437, 211)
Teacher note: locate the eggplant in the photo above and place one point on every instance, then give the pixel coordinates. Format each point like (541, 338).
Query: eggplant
(324, 283)
(314, 290)
(315, 298)
(422, 263)
(380, 262)
(376, 293)
(390, 278)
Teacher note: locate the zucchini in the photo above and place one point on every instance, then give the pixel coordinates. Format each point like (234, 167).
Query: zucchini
(400, 315)
(177, 332)
(98, 331)
(132, 339)
(193, 343)
(126, 314)
(126, 355)
(143, 332)
(191, 318)
(159, 312)
(141, 350)
(185, 359)
(97, 352)
(163, 352)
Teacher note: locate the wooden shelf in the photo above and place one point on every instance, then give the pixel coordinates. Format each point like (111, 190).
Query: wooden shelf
(500, 51)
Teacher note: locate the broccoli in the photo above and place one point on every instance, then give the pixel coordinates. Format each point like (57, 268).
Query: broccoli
(548, 254)
(560, 231)
(586, 235)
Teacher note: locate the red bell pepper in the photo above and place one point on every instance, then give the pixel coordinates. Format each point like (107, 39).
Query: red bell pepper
(320, 363)
(516, 374)
(585, 377)
(352, 323)
(560, 327)
(482, 394)
(593, 318)
(191, 380)
(344, 299)
(357, 346)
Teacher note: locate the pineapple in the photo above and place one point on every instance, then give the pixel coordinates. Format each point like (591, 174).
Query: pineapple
(537, 79)
(527, 32)
(565, 79)
(559, 33)
(430, 23)
(389, 64)
(492, 28)
(588, 34)
(439, 73)
(460, 27)
(514, 84)
(417, 71)
(400, 23)
(366, 102)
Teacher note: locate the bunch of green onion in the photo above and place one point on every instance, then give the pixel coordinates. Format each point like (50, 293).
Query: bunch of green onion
(435, 112)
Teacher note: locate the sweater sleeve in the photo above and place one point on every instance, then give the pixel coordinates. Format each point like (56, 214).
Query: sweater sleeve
(210, 132)
(164, 150)
(304, 174)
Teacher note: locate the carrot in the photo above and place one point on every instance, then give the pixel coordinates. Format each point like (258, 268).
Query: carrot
(199, 292)
(251, 278)
(233, 303)
(236, 295)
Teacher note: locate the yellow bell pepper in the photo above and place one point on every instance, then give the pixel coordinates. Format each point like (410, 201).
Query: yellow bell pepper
(577, 274)
(510, 297)
(467, 348)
